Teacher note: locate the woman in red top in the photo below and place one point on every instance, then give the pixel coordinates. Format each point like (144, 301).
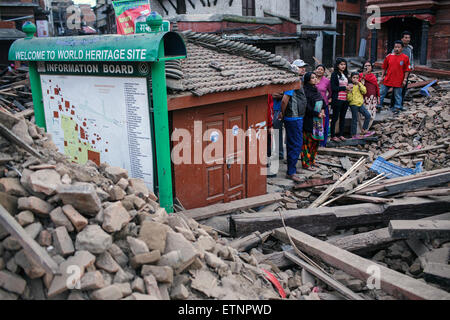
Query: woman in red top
(372, 97)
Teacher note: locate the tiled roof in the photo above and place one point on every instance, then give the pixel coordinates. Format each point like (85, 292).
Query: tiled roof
(217, 65)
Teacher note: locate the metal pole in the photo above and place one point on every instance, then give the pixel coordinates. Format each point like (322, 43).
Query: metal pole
(36, 89)
(162, 135)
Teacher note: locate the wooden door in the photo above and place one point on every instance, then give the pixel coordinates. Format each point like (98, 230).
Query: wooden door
(235, 153)
(221, 175)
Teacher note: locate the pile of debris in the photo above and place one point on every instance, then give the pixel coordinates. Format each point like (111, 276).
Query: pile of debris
(420, 134)
(15, 91)
(61, 222)
(108, 226)
(347, 205)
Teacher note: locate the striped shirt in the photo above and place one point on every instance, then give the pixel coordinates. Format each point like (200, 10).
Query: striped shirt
(343, 82)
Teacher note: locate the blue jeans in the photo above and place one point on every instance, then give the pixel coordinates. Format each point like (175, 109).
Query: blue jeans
(294, 143)
(278, 125)
(365, 113)
(398, 93)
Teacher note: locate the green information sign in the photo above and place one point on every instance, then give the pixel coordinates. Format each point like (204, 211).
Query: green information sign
(94, 93)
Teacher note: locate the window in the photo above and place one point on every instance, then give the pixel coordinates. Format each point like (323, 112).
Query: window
(248, 8)
(294, 9)
(328, 15)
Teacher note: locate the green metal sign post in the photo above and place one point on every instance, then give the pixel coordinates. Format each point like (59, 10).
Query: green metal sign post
(141, 56)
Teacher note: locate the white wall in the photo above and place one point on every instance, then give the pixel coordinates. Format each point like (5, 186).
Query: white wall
(222, 7)
(312, 12)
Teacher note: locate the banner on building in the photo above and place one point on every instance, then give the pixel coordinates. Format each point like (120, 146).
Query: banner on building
(130, 13)
(42, 28)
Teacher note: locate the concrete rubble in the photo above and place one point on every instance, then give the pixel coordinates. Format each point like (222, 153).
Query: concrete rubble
(123, 249)
(108, 228)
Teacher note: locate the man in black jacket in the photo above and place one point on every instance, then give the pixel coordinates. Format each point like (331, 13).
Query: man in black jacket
(292, 112)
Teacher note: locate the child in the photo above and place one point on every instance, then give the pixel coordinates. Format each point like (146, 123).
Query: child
(355, 98)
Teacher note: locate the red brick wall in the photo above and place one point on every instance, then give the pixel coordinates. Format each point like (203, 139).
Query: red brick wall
(440, 35)
(7, 25)
(344, 6)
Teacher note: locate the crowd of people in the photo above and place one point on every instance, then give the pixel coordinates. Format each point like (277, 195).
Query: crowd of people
(315, 113)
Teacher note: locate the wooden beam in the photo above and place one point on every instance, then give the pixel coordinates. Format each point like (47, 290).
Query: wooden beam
(184, 101)
(390, 154)
(414, 184)
(429, 229)
(437, 273)
(277, 259)
(428, 193)
(225, 208)
(25, 114)
(326, 220)
(343, 153)
(391, 282)
(373, 240)
(395, 181)
(313, 183)
(346, 292)
(30, 246)
(419, 151)
(8, 134)
(329, 164)
(365, 199)
(352, 142)
(249, 242)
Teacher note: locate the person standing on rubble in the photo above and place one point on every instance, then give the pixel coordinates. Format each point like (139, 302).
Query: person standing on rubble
(408, 50)
(293, 109)
(313, 128)
(372, 97)
(301, 65)
(339, 104)
(396, 69)
(324, 87)
(356, 101)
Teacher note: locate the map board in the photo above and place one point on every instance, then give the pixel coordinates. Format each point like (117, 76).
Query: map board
(102, 119)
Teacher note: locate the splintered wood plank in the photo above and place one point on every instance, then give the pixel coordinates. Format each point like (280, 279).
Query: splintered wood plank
(390, 154)
(438, 273)
(428, 193)
(424, 150)
(343, 153)
(416, 184)
(428, 229)
(391, 282)
(346, 292)
(314, 183)
(367, 199)
(31, 247)
(8, 134)
(324, 220)
(225, 208)
(329, 164)
(376, 239)
(393, 182)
